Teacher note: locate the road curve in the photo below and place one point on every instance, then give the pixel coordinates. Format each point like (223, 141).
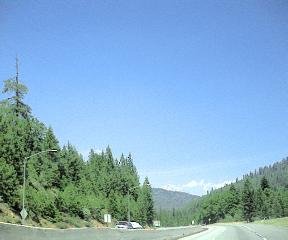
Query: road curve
(18, 232)
(241, 232)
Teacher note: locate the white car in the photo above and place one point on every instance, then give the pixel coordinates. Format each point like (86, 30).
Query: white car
(136, 225)
(124, 225)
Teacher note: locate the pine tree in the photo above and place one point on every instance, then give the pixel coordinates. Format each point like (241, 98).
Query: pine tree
(49, 172)
(146, 203)
(264, 183)
(232, 201)
(13, 86)
(8, 183)
(248, 201)
(71, 165)
(259, 197)
(13, 139)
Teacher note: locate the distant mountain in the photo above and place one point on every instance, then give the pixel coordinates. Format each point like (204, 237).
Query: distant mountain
(165, 199)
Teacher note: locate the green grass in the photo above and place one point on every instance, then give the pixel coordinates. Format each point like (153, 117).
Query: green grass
(277, 221)
(6, 215)
(61, 225)
(10, 219)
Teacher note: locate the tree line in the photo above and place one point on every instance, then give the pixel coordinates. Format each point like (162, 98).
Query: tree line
(259, 195)
(62, 184)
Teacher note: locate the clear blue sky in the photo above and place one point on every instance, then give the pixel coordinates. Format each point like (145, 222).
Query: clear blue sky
(195, 90)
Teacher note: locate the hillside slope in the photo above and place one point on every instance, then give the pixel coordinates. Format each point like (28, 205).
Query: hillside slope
(164, 199)
(260, 194)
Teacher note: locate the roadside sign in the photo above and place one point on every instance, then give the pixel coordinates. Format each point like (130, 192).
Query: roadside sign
(23, 213)
(107, 218)
(156, 223)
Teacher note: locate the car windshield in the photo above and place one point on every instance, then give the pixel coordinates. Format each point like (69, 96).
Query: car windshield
(122, 223)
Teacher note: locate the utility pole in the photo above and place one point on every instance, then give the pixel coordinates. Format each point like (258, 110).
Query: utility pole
(128, 206)
(23, 212)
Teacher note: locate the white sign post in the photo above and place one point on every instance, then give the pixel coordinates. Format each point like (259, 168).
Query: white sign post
(156, 223)
(107, 218)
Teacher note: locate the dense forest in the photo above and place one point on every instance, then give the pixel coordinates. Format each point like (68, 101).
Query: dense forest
(260, 194)
(60, 185)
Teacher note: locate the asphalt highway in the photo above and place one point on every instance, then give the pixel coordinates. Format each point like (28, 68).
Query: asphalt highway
(241, 232)
(18, 232)
(214, 232)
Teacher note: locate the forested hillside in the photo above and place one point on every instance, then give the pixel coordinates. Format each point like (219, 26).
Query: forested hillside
(164, 199)
(61, 185)
(261, 194)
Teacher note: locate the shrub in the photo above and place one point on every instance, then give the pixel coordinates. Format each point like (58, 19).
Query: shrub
(76, 222)
(42, 202)
(61, 225)
(8, 183)
(96, 214)
(86, 214)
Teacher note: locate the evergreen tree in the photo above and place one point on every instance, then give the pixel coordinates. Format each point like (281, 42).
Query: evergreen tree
(71, 165)
(146, 203)
(8, 183)
(13, 139)
(259, 198)
(49, 173)
(264, 183)
(18, 90)
(232, 201)
(248, 201)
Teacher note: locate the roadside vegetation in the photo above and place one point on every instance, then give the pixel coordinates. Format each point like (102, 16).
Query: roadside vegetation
(282, 222)
(61, 188)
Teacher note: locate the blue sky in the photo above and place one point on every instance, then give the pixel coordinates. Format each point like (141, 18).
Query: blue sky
(195, 90)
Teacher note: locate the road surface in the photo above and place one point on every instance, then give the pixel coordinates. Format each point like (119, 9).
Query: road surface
(241, 232)
(17, 232)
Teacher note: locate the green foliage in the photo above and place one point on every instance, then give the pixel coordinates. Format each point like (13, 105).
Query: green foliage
(61, 225)
(61, 185)
(71, 165)
(8, 183)
(10, 219)
(86, 214)
(146, 204)
(232, 200)
(264, 183)
(42, 203)
(12, 85)
(261, 195)
(248, 201)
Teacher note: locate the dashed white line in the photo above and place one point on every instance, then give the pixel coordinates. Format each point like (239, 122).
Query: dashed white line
(258, 234)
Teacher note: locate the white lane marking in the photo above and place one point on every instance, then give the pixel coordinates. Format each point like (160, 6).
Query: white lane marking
(258, 234)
